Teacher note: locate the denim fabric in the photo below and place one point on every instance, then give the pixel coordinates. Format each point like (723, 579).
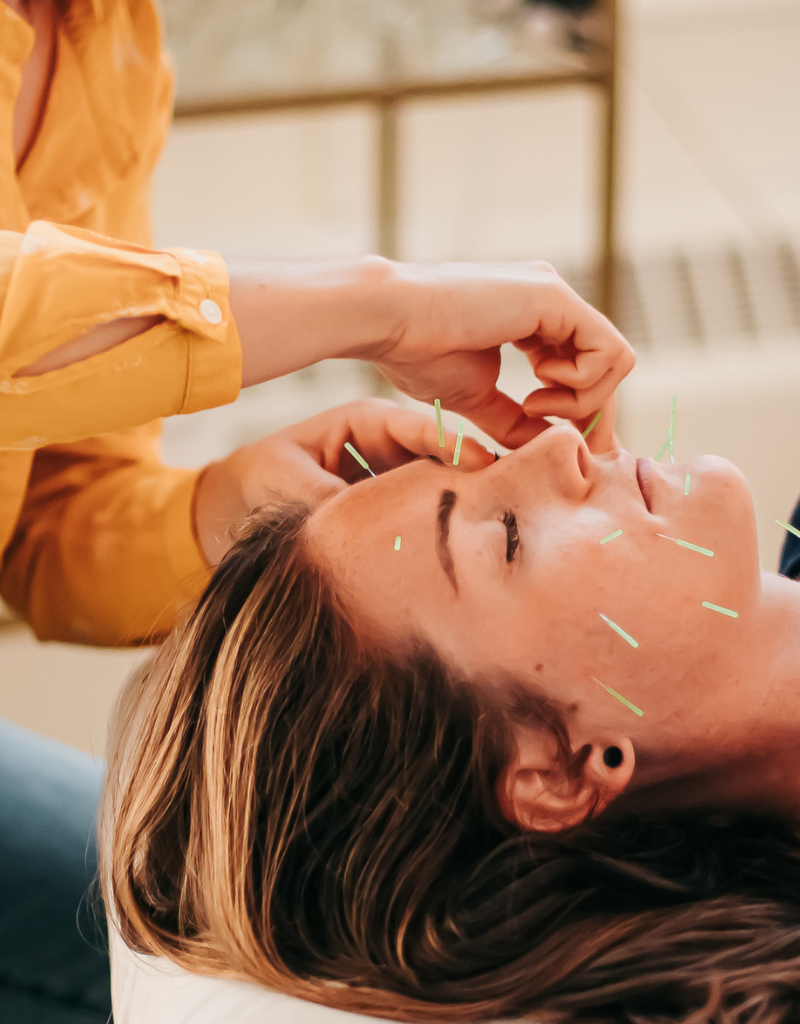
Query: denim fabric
(54, 966)
(789, 564)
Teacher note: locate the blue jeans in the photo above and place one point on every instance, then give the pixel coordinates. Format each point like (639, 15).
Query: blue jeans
(790, 555)
(54, 965)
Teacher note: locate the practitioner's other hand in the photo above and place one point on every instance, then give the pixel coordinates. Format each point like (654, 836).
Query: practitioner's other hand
(458, 315)
(309, 460)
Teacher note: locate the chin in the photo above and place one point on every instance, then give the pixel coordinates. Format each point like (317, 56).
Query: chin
(714, 467)
(728, 499)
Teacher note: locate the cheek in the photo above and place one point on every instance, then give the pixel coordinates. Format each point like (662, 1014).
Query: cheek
(650, 588)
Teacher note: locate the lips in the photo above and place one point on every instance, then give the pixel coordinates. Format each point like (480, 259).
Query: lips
(644, 478)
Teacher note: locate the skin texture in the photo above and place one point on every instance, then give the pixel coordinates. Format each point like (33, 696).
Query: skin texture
(719, 695)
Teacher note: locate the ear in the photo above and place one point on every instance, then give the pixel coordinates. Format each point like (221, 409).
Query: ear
(535, 793)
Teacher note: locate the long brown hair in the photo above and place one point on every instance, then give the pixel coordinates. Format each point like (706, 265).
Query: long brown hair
(288, 807)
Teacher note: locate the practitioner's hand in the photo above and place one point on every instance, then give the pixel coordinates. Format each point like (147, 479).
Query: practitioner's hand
(458, 315)
(308, 460)
(602, 437)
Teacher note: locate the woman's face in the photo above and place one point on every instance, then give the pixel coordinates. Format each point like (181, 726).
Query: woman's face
(505, 571)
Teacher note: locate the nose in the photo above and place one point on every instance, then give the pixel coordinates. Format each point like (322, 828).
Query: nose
(558, 459)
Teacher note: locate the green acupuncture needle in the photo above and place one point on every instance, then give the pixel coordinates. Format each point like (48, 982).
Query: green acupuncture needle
(718, 608)
(611, 536)
(671, 430)
(438, 406)
(686, 544)
(627, 703)
(662, 449)
(397, 543)
(623, 700)
(359, 458)
(459, 439)
(592, 425)
(687, 483)
(618, 629)
(789, 527)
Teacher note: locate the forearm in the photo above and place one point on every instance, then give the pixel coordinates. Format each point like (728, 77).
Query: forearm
(96, 340)
(289, 314)
(98, 335)
(293, 313)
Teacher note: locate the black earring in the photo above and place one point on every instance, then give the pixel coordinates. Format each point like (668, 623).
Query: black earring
(612, 756)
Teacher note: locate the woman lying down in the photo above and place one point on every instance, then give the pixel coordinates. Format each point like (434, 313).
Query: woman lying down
(460, 743)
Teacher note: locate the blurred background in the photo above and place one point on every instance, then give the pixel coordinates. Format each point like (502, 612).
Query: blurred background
(649, 150)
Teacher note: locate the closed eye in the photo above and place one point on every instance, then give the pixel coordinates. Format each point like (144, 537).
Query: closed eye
(512, 535)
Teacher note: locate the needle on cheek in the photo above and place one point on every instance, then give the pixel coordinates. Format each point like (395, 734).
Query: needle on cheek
(620, 698)
(611, 536)
(788, 527)
(686, 544)
(619, 630)
(720, 609)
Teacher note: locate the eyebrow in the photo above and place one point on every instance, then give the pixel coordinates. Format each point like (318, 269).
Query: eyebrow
(447, 501)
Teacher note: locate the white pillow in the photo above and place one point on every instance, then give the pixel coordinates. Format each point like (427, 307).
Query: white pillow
(149, 989)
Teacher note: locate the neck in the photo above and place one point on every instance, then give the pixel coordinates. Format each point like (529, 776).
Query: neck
(774, 707)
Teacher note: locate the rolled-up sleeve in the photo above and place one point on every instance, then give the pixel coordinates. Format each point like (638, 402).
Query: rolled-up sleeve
(57, 282)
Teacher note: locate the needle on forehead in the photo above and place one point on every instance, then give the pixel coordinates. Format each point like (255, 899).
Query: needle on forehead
(438, 406)
(359, 458)
(459, 439)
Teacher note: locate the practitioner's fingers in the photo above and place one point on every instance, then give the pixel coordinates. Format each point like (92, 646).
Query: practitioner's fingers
(601, 437)
(502, 418)
(384, 435)
(569, 403)
(392, 436)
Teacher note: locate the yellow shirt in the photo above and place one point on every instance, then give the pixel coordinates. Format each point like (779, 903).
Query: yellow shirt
(95, 532)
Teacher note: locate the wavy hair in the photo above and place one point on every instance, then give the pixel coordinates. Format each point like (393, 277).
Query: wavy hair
(287, 807)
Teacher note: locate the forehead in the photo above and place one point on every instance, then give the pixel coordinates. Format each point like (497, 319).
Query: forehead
(354, 536)
(367, 517)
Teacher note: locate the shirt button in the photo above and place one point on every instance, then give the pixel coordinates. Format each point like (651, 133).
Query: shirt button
(210, 311)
